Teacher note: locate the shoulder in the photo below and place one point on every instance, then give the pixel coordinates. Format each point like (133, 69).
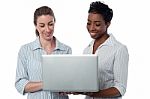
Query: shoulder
(27, 47)
(120, 47)
(115, 43)
(118, 44)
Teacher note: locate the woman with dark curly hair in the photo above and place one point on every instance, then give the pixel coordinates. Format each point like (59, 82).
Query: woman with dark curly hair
(112, 55)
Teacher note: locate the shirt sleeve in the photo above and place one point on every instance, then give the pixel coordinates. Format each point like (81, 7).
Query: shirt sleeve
(121, 69)
(21, 72)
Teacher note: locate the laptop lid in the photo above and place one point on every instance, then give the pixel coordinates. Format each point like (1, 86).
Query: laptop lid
(70, 73)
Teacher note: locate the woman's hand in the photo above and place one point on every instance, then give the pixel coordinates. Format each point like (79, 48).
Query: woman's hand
(68, 93)
(106, 93)
(33, 86)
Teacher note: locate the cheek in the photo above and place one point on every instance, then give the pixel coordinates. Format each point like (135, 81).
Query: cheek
(102, 29)
(87, 28)
(39, 30)
(51, 27)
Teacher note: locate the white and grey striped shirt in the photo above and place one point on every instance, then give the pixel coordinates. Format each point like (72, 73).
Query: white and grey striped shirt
(29, 68)
(113, 65)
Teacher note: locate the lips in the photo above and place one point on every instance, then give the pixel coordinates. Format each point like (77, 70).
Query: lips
(48, 34)
(92, 33)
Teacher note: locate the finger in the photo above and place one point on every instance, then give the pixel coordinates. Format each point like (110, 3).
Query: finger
(62, 93)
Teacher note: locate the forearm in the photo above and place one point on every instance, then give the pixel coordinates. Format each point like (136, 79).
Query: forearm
(106, 93)
(33, 86)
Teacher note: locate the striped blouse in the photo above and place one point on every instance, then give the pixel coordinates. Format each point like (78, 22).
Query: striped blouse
(29, 68)
(113, 65)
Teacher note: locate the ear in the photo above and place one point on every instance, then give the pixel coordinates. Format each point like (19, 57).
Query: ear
(108, 24)
(36, 27)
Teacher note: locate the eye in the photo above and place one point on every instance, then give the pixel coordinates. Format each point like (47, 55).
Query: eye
(51, 24)
(88, 23)
(98, 24)
(42, 26)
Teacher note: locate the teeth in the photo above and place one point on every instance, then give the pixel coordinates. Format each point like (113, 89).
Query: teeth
(93, 33)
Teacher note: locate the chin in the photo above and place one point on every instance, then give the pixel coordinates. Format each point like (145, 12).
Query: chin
(48, 38)
(93, 37)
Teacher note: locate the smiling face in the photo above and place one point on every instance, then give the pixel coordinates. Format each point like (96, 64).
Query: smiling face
(45, 26)
(96, 25)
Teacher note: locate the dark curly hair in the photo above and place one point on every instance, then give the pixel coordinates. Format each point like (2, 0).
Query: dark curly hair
(101, 8)
(44, 10)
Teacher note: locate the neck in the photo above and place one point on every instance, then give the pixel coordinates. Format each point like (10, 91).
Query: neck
(101, 39)
(48, 45)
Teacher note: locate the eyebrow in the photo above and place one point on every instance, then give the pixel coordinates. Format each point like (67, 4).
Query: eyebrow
(41, 23)
(48, 22)
(95, 21)
(51, 21)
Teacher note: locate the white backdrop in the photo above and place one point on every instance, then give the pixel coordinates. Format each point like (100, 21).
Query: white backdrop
(130, 25)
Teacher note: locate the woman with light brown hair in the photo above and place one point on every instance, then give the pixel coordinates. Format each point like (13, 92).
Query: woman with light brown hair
(29, 70)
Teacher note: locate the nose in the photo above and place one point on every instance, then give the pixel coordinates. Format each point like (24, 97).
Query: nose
(47, 29)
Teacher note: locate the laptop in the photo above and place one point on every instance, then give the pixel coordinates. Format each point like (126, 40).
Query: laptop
(70, 73)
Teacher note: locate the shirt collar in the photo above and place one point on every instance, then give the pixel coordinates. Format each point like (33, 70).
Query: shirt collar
(59, 45)
(109, 42)
(37, 45)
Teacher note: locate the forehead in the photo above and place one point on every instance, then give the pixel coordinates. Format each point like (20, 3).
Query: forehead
(45, 18)
(95, 17)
